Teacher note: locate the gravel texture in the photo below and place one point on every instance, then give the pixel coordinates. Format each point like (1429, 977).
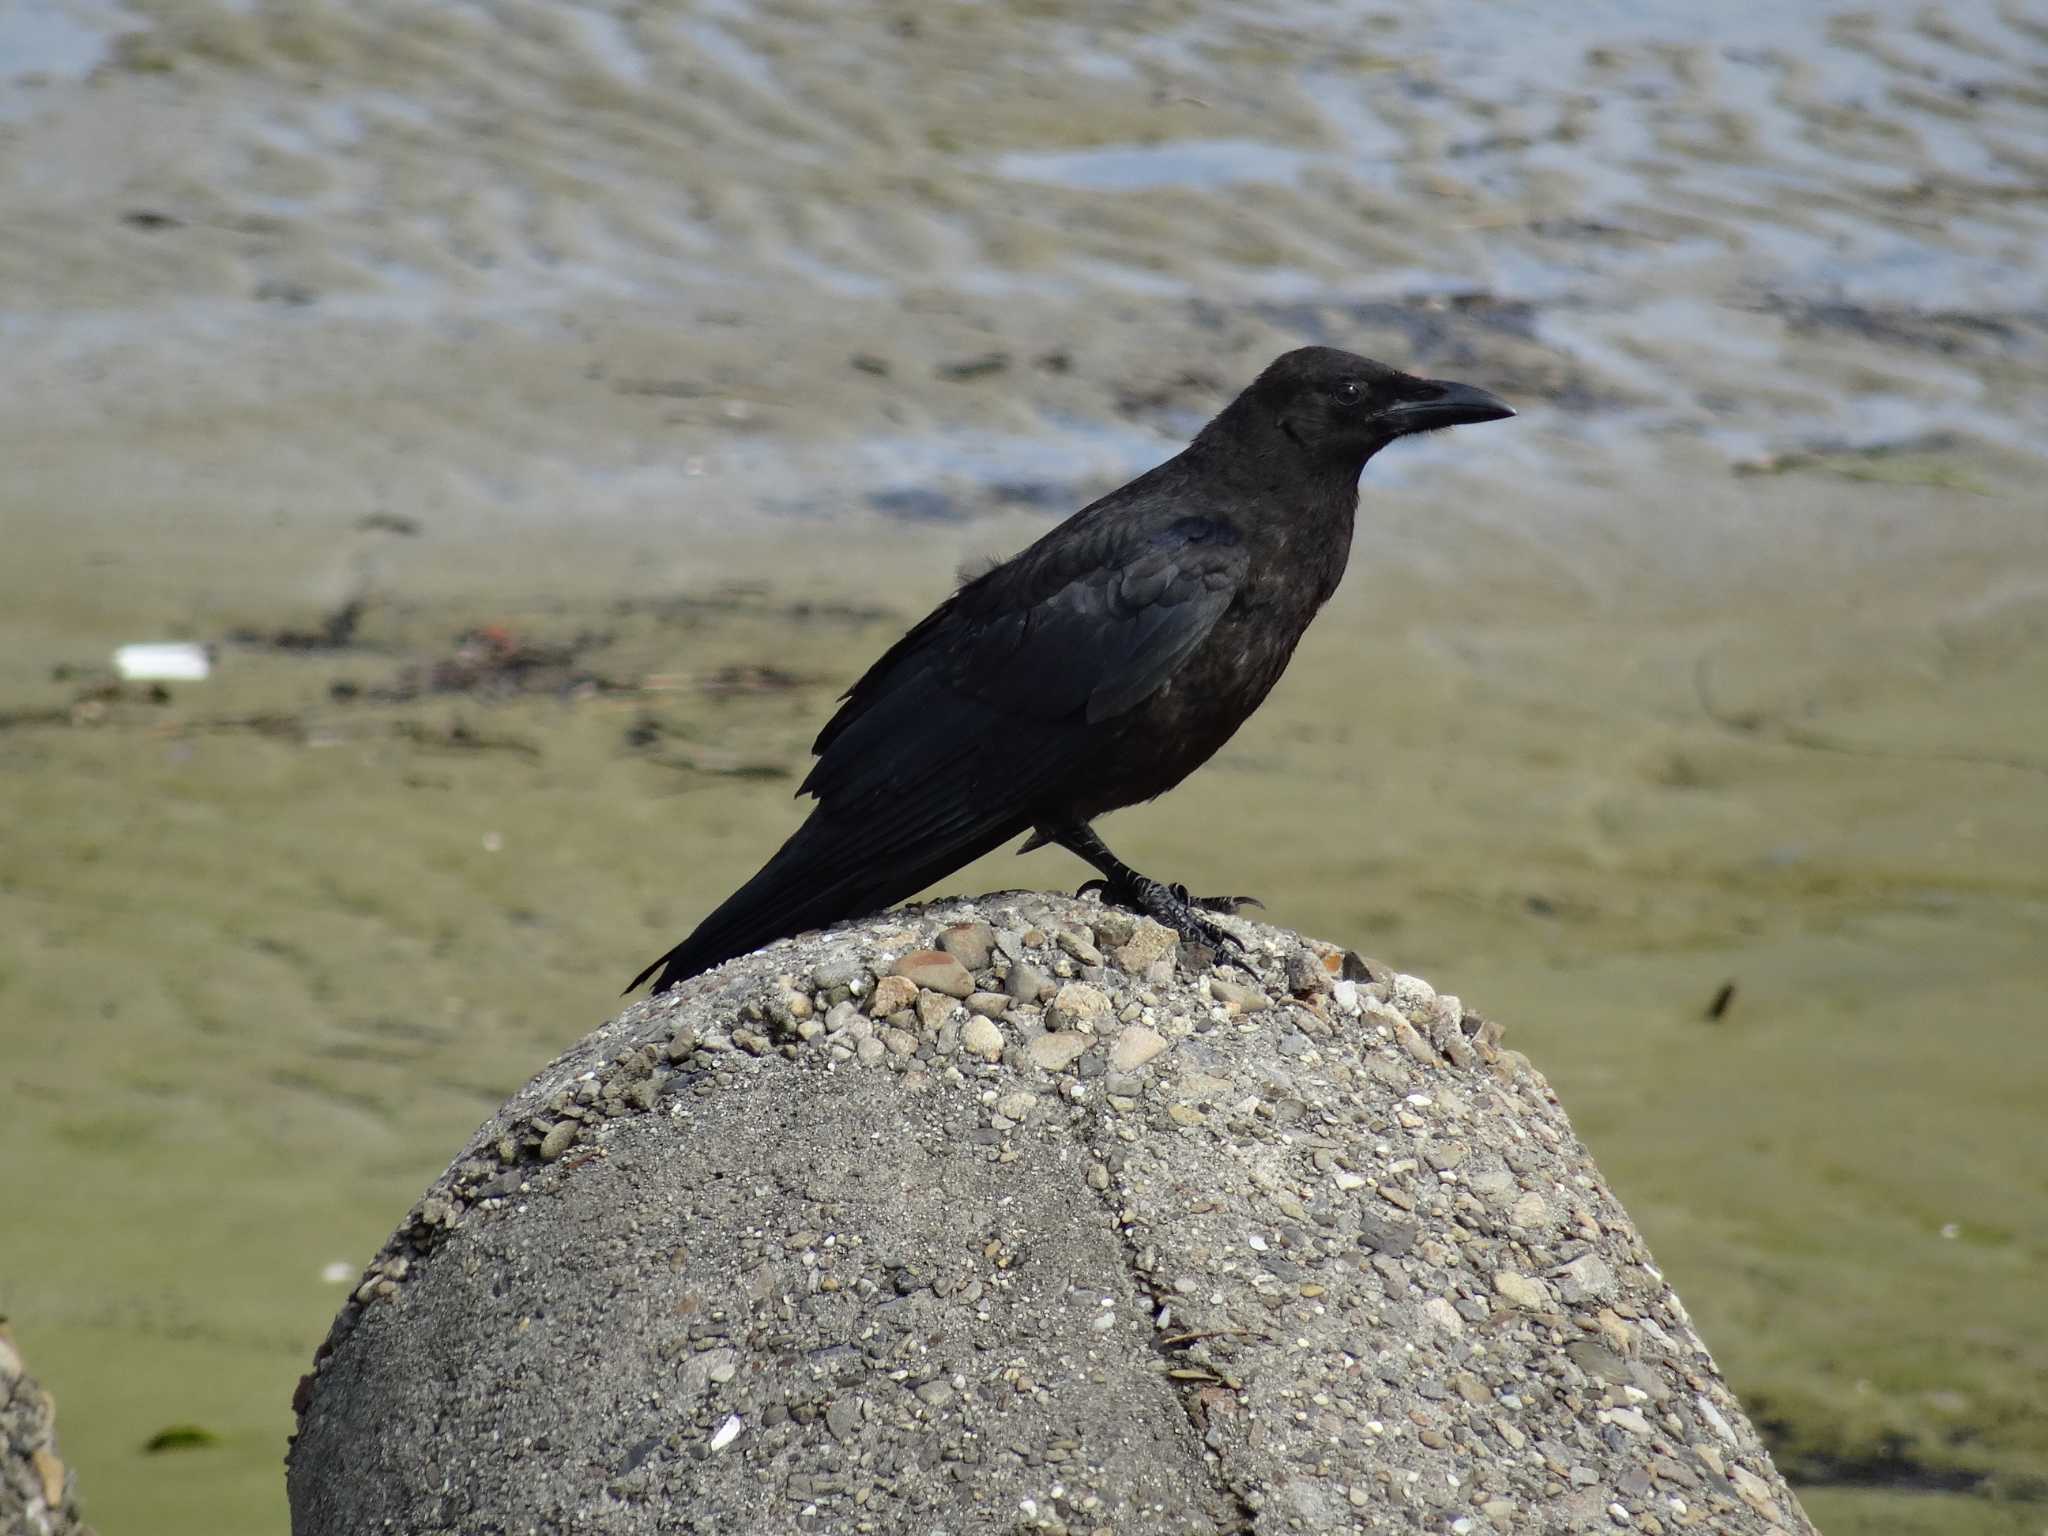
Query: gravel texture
(38, 1492)
(1012, 1215)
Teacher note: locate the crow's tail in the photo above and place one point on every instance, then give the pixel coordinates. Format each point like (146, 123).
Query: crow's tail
(833, 868)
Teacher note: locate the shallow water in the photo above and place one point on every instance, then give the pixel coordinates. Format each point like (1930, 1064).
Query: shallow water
(1726, 661)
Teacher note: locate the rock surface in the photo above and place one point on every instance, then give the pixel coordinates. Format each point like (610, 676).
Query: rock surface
(38, 1493)
(1306, 1251)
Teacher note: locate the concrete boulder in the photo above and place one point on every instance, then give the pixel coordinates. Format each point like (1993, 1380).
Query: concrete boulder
(1012, 1216)
(38, 1492)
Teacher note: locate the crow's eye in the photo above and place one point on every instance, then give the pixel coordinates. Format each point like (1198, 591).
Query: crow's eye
(1350, 393)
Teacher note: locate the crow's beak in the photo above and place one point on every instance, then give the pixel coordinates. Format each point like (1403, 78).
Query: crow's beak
(1434, 403)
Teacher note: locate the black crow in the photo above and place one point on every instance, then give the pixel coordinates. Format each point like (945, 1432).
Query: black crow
(1097, 668)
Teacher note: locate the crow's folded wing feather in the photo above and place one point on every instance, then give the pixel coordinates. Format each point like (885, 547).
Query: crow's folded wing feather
(1015, 667)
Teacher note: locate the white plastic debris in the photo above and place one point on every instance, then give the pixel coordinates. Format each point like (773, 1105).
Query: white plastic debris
(728, 1432)
(164, 662)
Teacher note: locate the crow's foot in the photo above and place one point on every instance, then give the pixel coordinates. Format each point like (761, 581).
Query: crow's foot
(1171, 905)
(1168, 904)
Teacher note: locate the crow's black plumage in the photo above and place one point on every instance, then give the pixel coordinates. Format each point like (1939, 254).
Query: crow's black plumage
(1097, 668)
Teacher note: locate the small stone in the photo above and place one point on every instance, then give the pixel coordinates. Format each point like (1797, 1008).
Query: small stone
(1714, 1417)
(972, 944)
(1587, 1275)
(1026, 983)
(1079, 1005)
(1137, 1045)
(1439, 1311)
(50, 1473)
(983, 1038)
(1494, 1185)
(1148, 944)
(842, 969)
(1098, 1176)
(892, 994)
(1630, 1419)
(1114, 927)
(1305, 975)
(843, 1418)
(560, 1137)
(1755, 1492)
(1411, 1041)
(933, 1009)
(935, 1394)
(1057, 1052)
(870, 1051)
(1531, 1211)
(1412, 995)
(1521, 1291)
(899, 1042)
(1620, 1337)
(1082, 951)
(936, 969)
(1016, 1106)
(1235, 994)
(991, 1005)
(1598, 1361)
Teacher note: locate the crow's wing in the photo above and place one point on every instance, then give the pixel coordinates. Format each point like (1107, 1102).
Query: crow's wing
(1073, 632)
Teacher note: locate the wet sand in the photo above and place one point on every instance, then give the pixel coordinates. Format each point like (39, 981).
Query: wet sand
(717, 340)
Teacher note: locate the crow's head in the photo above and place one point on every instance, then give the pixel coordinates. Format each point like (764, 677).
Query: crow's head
(1339, 407)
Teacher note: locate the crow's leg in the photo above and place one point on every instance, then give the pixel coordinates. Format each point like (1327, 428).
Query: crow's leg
(1123, 885)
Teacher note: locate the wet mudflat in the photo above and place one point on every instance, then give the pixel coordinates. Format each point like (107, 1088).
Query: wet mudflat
(545, 414)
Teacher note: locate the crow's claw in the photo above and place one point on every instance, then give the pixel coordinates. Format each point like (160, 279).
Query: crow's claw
(1229, 906)
(1169, 904)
